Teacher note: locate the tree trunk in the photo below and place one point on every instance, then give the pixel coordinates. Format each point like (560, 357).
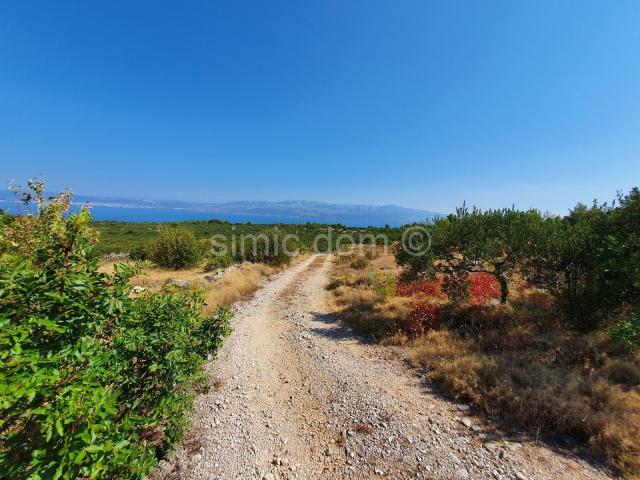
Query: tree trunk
(504, 289)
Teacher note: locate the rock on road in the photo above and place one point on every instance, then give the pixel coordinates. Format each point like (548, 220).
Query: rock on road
(299, 396)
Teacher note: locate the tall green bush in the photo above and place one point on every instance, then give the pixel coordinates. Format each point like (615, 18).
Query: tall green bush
(94, 380)
(589, 260)
(270, 247)
(175, 248)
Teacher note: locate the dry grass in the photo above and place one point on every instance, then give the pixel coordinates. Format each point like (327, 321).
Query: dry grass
(238, 282)
(218, 383)
(540, 374)
(357, 303)
(519, 363)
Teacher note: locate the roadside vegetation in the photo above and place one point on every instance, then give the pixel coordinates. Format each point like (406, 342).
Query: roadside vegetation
(125, 237)
(96, 371)
(531, 318)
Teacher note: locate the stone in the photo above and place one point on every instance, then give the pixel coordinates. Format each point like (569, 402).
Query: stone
(178, 283)
(462, 474)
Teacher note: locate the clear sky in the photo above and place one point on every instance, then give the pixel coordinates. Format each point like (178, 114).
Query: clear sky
(417, 103)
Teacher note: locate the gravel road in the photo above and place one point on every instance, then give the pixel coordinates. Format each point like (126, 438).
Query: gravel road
(296, 395)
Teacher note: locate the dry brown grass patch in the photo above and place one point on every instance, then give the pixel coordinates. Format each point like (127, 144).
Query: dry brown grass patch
(218, 384)
(551, 398)
(237, 284)
(363, 428)
(519, 362)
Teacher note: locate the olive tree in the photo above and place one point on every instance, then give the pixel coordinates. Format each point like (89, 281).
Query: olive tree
(471, 240)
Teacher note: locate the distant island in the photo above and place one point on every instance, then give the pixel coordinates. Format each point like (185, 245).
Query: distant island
(262, 212)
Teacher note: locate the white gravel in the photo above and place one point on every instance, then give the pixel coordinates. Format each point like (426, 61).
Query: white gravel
(304, 398)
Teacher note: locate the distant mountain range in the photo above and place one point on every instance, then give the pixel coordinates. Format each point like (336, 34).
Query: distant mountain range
(295, 211)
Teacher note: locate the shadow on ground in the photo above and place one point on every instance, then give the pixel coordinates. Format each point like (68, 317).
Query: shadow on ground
(494, 432)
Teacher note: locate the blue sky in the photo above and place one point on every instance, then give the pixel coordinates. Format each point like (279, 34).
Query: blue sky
(416, 103)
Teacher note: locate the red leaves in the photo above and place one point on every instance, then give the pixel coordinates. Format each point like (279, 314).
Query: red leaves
(421, 289)
(423, 317)
(427, 315)
(484, 287)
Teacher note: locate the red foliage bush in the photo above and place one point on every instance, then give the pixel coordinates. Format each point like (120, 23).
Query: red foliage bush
(422, 289)
(484, 287)
(423, 317)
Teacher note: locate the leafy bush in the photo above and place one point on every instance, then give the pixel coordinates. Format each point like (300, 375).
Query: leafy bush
(336, 283)
(421, 288)
(495, 242)
(628, 329)
(139, 253)
(175, 248)
(589, 261)
(215, 262)
(205, 247)
(359, 263)
(457, 286)
(5, 217)
(384, 286)
(94, 380)
(423, 317)
(270, 248)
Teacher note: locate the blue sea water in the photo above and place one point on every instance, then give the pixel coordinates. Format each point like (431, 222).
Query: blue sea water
(179, 215)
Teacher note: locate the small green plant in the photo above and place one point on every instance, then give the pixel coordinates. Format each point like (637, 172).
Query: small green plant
(215, 262)
(204, 245)
(359, 263)
(176, 248)
(336, 283)
(627, 331)
(139, 253)
(384, 286)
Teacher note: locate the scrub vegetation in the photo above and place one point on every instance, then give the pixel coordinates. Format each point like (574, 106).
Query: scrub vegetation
(531, 318)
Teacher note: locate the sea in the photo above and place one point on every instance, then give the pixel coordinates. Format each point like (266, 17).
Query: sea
(133, 214)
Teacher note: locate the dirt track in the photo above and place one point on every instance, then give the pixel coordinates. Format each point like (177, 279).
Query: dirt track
(301, 397)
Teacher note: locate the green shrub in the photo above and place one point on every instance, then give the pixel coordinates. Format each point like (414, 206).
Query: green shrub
(5, 217)
(215, 262)
(336, 283)
(359, 263)
(628, 329)
(175, 248)
(590, 260)
(94, 381)
(269, 247)
(384, 286)
(205, 247)
(139, 253)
